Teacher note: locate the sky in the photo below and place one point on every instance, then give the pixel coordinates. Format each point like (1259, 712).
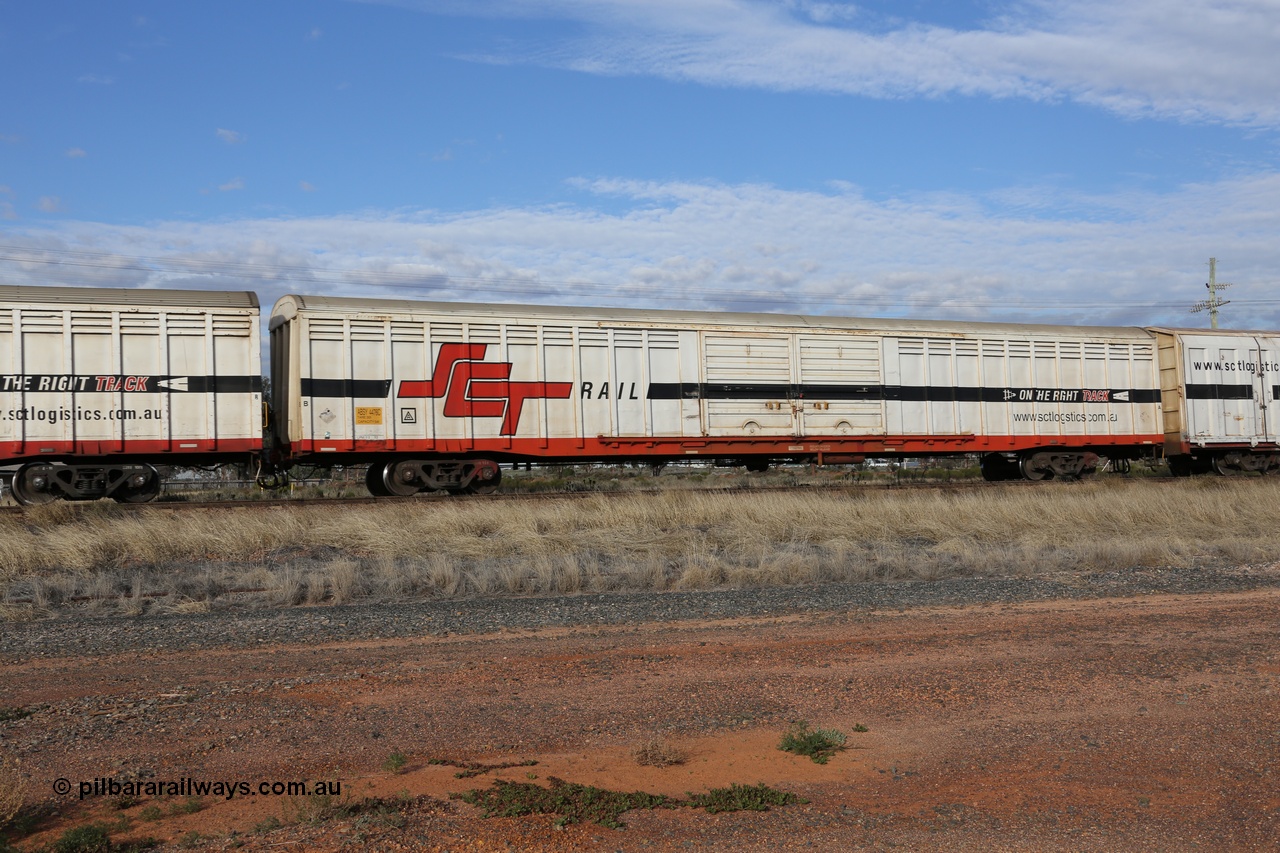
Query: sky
(1077, 161)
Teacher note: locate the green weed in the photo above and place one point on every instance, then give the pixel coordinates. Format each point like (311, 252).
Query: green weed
(268, 825)
(470, 769)
(574, 803)
(395, 762)
(739, 798)
(91, 838)
(817, 744)
(190, 805)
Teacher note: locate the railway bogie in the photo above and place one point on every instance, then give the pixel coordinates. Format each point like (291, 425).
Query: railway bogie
(403, 477)
(44, 482)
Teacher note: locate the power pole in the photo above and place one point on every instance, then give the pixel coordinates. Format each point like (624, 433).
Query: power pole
(1213, 303)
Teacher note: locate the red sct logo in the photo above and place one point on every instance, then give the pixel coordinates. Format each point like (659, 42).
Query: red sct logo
(474, 388)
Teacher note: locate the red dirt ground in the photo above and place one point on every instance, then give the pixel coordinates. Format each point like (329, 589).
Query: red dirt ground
(1136, 724)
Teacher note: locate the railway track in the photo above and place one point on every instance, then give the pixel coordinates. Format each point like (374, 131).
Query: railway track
(444, 497)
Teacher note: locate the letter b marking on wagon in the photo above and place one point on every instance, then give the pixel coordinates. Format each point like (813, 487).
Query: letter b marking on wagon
(474, 388)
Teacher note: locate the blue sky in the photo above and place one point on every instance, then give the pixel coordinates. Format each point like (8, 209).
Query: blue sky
(1059, 162)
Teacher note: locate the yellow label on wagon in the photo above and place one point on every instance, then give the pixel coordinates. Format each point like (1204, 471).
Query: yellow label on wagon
(369, 415)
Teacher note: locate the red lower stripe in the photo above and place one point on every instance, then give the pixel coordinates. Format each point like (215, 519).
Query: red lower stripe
(16, 451)
(605, 447)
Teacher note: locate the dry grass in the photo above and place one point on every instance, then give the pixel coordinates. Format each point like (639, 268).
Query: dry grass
(659, 752)
(99, 556)
(13, 792)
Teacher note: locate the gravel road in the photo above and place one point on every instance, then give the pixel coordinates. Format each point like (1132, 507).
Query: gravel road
(72, 634)
(1131, 710)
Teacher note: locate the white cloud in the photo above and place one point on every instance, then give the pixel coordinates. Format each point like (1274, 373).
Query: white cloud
(75, 153)
(315, 34)
(1196, 60)
(50, 204)
(1131, 259)
(232, 185)
(231, 137)
(7, 211)
(306, 186)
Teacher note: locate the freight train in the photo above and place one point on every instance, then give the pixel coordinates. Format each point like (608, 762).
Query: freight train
(101, 387)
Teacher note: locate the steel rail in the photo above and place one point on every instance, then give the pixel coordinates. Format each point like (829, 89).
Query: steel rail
(433, 497)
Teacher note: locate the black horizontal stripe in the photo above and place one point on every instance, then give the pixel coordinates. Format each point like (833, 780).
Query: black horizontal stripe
(970, 394)
(842, 392)
(904, 393)
(346, 387)
(129, 383)
(742, 391)
(1219, 392)
(942, 394)
(223, 384)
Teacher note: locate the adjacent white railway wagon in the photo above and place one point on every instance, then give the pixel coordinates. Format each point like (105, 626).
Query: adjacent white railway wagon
(1220, 393)
(435, 395)
(98, 385)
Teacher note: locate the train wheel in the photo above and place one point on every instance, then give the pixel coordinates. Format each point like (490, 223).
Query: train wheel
(373, 480)
(1222, 465)
(1089, 466)
(141, 488)
(1031, 471)
(33, 486)
(402, 479)
(486, 487)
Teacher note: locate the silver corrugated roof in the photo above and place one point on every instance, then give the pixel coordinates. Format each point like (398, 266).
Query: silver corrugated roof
(292, 304)
(128, 297)
(1181, 330)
